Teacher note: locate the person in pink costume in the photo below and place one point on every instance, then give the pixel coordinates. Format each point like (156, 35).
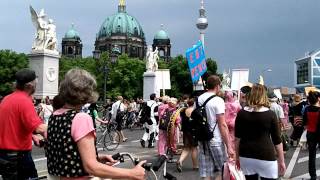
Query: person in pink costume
(162, 142)
(285, 107)
(232, 108)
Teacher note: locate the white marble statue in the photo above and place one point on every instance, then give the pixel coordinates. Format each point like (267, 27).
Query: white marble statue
(45, 38)
(226, 81)
(152, 58)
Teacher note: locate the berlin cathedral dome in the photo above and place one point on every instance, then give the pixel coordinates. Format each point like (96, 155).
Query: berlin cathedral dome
(121, 31)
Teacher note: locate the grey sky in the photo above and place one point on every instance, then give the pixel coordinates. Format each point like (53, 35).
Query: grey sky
(254, 34)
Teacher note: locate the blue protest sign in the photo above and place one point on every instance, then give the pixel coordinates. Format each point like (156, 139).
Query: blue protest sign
(196, 61)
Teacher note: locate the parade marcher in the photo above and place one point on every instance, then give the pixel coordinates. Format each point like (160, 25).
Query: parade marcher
(117, 113)
(165, 118)
(71, 151)
(278, 110)
(257, 135)
(93, 112)
(296, 119)
(190, 143)
(285, 107)
(232, 108)
(47, 109)
(57, 102)
(150, 111)
(18, 122)
(275, 107)
(311, 121)
(213, 157)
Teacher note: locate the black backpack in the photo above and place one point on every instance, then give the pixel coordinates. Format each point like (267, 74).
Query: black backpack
(145, 114)
(165, 119)
(120, 114)
(199, 116)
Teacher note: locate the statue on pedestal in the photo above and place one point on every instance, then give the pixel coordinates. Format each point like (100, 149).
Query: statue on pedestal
(46, 38)
(226, 81)
(152, 58)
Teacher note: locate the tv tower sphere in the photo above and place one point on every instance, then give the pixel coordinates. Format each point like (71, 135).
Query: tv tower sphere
(202, 22)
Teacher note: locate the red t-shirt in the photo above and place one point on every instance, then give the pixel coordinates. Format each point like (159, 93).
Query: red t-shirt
(18, 119)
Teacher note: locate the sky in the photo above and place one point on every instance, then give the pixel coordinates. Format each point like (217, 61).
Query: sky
(251, 34)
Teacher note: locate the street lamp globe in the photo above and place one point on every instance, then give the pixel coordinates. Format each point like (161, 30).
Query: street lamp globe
(96, 54)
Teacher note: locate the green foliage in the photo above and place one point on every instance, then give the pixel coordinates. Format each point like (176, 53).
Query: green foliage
(181, 78)
(125, 76)
(10, 63)
(65, 64)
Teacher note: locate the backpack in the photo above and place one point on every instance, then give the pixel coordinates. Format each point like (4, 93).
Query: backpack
(199, 115)
(145, 114)
(120, 114)
(165, 119)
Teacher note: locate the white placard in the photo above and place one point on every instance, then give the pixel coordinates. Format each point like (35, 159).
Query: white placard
(239, 79)
(163, 79)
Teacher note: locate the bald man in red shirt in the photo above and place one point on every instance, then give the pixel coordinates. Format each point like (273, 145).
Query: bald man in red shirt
(18, 124)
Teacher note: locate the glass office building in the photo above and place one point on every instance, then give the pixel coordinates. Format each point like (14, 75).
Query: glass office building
(307, 71)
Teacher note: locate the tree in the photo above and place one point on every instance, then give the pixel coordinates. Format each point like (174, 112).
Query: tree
(181, 78)
(10, 63)
(126, 78)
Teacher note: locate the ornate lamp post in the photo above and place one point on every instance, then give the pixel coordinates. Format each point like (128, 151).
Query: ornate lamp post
(104, 69)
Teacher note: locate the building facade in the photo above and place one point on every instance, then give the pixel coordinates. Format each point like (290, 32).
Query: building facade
(162, 41)
(307, 71)
(71, 44)
(123, 31)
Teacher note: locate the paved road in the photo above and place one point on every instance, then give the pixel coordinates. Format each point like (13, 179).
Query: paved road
(296, 159)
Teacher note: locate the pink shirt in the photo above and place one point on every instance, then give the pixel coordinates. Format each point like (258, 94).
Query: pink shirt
(82, 124)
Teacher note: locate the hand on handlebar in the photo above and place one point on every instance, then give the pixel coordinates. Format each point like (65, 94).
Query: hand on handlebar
(138, 171)
(107, 159)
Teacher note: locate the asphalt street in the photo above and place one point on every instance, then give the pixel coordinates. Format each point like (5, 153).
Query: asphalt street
(296, 159)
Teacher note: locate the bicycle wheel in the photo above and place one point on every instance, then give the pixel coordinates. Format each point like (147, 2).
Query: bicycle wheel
(111, 140)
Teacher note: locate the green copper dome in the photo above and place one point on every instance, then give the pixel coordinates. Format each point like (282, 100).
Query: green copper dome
(72, 33)
(120, 24)
(161, 35)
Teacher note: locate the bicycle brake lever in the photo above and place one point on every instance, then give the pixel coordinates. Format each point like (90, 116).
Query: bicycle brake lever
(116, 156)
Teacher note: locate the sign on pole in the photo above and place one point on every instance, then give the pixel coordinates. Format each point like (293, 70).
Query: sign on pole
(239, 79)
(163, 80)
(196, 61)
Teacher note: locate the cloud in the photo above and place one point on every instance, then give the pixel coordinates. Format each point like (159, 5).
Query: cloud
(248, 34)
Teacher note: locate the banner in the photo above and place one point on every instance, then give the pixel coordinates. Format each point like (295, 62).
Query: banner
(196, 61)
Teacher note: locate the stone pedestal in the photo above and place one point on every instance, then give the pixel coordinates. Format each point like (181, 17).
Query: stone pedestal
(46, 66)
(149, 84)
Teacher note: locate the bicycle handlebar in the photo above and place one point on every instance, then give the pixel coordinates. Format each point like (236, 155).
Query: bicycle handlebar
(147, 166)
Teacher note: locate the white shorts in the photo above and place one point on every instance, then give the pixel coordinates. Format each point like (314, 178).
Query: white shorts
(266, 169)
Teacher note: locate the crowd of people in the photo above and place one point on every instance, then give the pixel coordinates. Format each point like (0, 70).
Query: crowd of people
(251, 132)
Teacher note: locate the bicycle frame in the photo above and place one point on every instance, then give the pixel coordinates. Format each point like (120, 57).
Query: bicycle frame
(147, 166)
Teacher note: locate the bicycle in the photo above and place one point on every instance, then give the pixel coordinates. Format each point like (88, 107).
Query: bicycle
(150, 167)
(110, 138)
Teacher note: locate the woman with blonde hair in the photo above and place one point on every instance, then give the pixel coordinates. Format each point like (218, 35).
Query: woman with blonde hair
(257, 135)
(71, 151)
